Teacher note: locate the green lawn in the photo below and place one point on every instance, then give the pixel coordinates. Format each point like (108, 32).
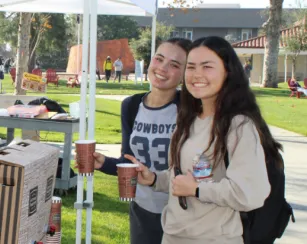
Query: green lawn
(102, 88)
(110, 221)
(281, 110)
(110, 217)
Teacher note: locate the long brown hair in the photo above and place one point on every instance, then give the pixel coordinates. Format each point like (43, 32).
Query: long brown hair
(234, 98)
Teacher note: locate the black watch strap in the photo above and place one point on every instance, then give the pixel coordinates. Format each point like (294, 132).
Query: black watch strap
(155, 179)
(197, 192)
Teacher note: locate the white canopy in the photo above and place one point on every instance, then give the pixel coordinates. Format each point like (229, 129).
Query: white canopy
(106, 7)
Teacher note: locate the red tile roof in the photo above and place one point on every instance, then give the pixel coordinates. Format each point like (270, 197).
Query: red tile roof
(259, 41)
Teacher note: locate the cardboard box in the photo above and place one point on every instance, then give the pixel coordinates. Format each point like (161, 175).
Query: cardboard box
(27, 178)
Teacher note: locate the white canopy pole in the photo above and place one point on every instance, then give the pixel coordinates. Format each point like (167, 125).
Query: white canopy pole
(78, 50)
(153, 30)
(82, 129)
(93, 57)
(91, 120)
(153, 35)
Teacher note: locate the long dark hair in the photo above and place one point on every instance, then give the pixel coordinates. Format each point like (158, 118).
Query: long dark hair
(234, 98)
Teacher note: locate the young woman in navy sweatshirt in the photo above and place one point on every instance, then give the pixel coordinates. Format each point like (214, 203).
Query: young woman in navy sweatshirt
(148, 137)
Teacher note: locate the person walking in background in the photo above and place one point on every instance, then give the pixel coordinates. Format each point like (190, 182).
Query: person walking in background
(247, 69)
(118, 66)
(7, 65)
(107, 66)
(37, 64)
(97, 70)
(148, 120)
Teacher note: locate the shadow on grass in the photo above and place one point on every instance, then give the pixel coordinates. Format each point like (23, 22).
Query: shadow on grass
(269, 92)
(105, 112)
(123, 86)
(102, 202)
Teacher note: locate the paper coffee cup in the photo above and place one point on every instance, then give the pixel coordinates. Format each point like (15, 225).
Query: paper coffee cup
(127, 181)
(55, 221)
(85, 158)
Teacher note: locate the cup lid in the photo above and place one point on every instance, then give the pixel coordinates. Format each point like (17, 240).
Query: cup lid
(85, 141)
(127, 165)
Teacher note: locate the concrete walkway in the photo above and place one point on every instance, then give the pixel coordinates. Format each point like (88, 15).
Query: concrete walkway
(111, 97)
(295, 148)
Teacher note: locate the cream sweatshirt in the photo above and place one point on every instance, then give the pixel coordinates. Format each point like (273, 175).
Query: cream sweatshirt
(214, 216)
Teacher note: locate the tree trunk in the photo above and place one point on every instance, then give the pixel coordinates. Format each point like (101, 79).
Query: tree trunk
(272, 27)
(293, 67)
(22, 50)
(31, 62)
(146, 74)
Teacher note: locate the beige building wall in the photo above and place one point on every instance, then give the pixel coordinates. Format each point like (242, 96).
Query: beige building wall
(301, 67)
(257, 71)
(256, 74)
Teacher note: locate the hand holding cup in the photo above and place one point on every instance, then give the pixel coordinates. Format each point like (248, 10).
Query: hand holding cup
(85, 156)
(145, 176)
(99, 160)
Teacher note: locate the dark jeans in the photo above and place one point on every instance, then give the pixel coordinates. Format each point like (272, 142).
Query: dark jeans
(145, 227)
(108, 74)
(119, 75)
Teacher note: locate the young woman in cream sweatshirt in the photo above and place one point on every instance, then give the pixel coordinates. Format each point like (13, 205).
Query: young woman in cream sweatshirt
(218, 115)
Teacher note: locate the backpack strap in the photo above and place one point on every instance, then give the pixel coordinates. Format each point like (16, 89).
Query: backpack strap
(246, 222)
(226, 159)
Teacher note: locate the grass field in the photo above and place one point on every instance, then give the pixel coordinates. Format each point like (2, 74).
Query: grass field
(282, 111)
(110, 222)
(102, 88)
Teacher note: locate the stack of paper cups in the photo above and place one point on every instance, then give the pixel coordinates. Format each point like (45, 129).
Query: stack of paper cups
(55, 220)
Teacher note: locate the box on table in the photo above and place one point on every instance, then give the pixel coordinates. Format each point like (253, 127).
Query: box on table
(27, 179)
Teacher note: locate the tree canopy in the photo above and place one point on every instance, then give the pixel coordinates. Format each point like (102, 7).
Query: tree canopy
(116, 27)
(141, 47)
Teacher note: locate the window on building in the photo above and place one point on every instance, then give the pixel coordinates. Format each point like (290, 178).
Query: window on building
(175, 34)
(233, 35)
(246, 34)
(188, 34)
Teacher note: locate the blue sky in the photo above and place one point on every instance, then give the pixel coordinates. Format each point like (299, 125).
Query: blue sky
(243, 3)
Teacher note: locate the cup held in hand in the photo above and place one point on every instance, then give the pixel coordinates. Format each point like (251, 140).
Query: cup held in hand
(127, 181)
(85, 158)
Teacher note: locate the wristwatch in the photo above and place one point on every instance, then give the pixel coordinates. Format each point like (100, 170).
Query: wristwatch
(197, 192)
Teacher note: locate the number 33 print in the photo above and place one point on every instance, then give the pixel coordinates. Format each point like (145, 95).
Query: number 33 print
(162, 164)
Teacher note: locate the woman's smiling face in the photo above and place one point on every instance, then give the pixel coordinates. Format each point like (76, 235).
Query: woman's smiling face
(205, 73)
(166, 68)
